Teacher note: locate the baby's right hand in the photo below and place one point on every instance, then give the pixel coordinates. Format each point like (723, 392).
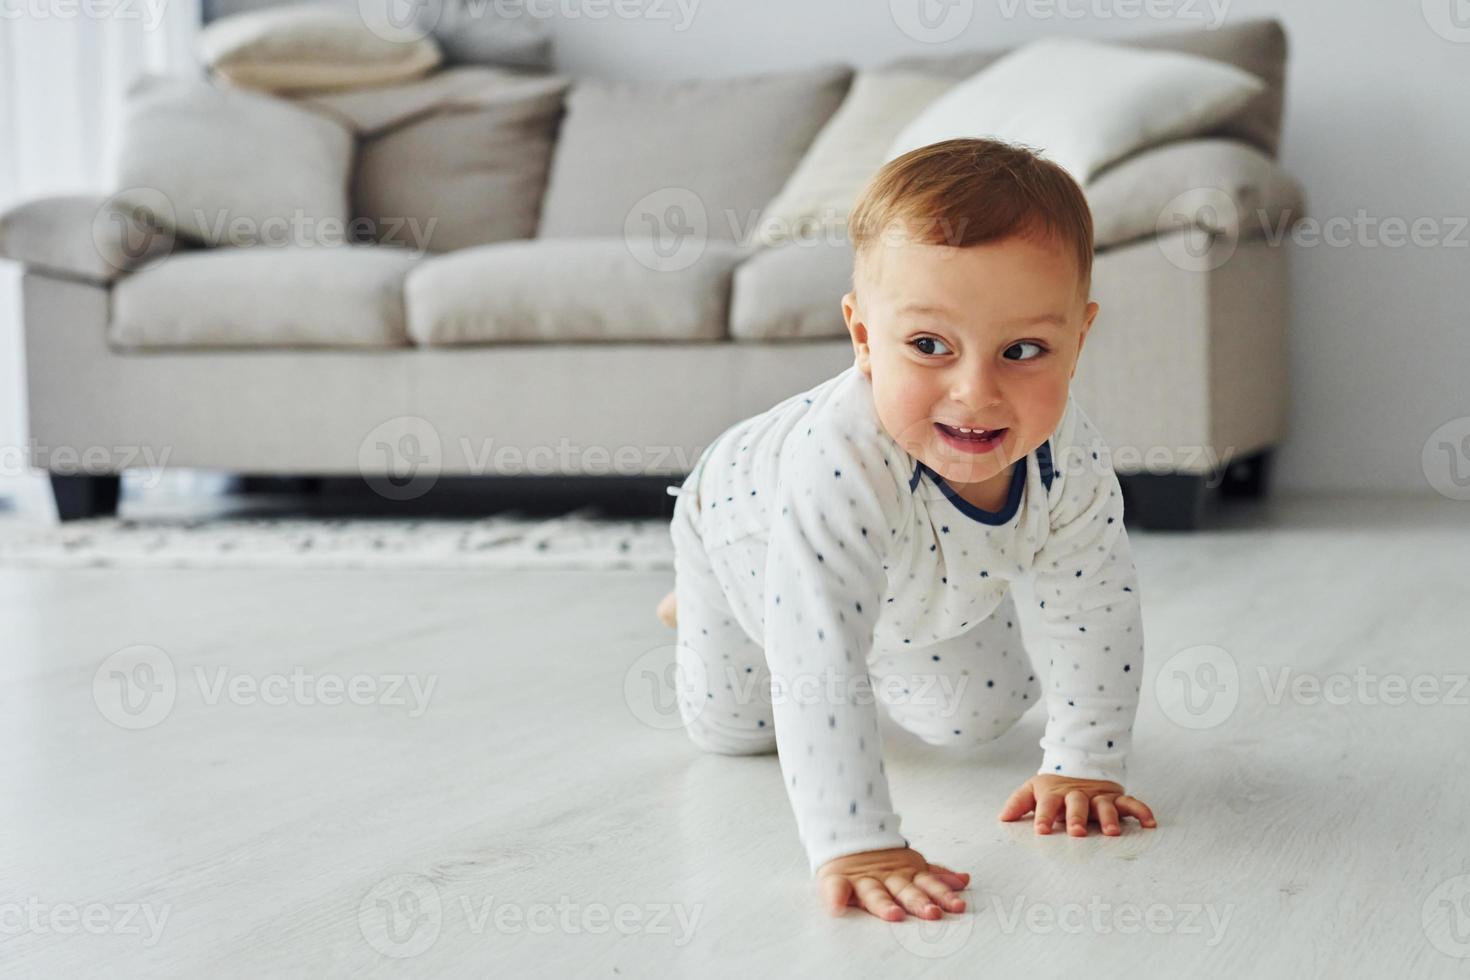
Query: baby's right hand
(887, 882)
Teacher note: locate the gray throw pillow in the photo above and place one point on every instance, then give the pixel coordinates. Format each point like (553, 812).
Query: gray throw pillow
(454, 160)
(705, 154)
(224, 166)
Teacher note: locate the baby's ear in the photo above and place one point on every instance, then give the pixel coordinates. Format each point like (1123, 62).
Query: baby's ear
(1088, 315)
(857, 330)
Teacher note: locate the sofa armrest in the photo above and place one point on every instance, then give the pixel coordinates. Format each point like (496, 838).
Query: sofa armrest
(1220, 185)
(82, 236)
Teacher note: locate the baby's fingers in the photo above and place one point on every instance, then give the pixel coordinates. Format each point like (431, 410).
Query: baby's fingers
(1077, 809)
(875, 899)
(1046, 812)
(913, 898)
(1021, 802)
(837, 894)
(940, 891)
(1107, 815)
(1134, 807)
(954, 879)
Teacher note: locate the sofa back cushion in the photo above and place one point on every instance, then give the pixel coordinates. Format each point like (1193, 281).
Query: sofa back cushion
(846, 154)
(224, 166)
(707, 154)
(1257, 46)
(454, 160)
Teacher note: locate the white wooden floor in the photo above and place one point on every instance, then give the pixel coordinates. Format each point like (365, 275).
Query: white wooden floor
(526, 817)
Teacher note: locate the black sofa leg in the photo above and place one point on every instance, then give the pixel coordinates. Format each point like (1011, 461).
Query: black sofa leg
(1165, 501)
(80, 496)
(1245, 478)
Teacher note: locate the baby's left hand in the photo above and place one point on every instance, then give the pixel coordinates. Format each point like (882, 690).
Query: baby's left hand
(1082, 798)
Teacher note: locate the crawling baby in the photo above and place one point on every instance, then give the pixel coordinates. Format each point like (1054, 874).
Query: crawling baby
(855, 544)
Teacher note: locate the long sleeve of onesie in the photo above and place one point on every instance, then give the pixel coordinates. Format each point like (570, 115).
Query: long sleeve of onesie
(1087, 587)
(840, 504)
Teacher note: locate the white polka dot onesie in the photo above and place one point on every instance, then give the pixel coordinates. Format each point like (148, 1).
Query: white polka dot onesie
(821, 570)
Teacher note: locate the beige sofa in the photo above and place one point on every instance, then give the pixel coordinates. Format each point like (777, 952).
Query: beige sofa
(556, 347)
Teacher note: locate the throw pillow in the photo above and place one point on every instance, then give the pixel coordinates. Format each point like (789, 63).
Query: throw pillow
(1084, 104)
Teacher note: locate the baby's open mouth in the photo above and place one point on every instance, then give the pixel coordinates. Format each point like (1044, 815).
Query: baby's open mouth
(970, 440)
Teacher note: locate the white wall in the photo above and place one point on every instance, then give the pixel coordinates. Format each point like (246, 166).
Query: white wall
(1375, 121)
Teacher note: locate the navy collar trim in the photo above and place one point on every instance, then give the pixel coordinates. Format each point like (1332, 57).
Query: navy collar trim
(1013, 499)
(1002, 516)
(1043, 463)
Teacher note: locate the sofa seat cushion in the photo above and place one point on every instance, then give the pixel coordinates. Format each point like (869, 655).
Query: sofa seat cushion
(343, 296)
(708, 153)
(577, 289)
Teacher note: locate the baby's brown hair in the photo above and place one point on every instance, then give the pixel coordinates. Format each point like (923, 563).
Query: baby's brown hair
(970, 191)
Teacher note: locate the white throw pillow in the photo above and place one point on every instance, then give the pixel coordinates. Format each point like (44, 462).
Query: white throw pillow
(846, 153)
(225, 166)
(312, 47)
(1084, 104)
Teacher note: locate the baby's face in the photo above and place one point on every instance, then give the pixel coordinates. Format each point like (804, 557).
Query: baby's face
(984, 336)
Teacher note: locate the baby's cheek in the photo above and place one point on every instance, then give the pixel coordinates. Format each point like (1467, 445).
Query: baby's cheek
(906, 418)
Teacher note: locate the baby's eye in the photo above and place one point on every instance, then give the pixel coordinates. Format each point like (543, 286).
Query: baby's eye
(1026, 343)
(918, 343)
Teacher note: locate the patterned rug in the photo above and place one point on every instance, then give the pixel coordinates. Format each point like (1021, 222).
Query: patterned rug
(579, 540)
